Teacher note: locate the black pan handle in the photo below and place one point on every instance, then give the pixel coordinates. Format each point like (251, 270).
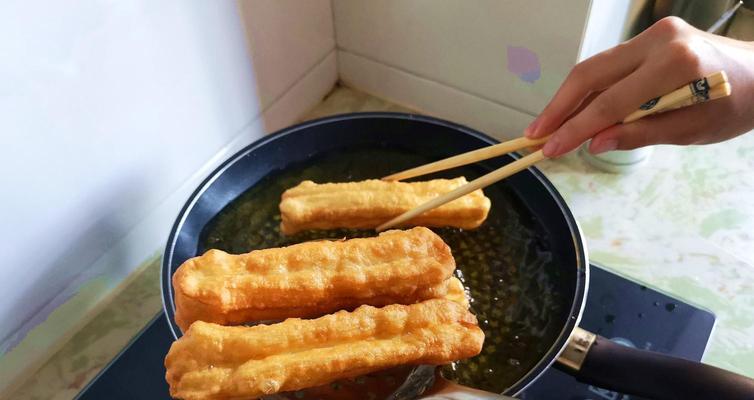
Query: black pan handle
(658, 376)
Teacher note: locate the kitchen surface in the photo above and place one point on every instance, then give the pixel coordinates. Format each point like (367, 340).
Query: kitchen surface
(680, 224)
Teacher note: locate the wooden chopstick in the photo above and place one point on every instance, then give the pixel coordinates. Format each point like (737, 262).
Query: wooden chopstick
(688, 94)
(467, 158)
(721, 90)
(481, 182)
(695, 92)
(484, 181)
(684, 96)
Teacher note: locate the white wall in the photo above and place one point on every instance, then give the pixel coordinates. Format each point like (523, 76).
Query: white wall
(110, 114)
(455, 60)
(286, 38)
(106, 109)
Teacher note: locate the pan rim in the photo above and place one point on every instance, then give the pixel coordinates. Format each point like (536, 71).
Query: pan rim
(582, 262)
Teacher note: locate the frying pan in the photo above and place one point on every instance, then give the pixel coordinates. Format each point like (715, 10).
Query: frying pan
(550, 231)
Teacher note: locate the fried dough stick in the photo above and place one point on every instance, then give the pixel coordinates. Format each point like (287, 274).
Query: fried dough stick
(403, 266)
(219, 362)
(369, 203)
(190, 310)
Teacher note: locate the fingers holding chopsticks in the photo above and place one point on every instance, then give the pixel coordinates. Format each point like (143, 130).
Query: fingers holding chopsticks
(586, 80)
(698, 90)
(615, 104)
(670, 54)
(689, 125)
(620, 115)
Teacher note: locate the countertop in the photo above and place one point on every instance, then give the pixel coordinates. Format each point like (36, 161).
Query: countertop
(683, 224)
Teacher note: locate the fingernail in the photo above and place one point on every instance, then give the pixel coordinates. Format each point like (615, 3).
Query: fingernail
(603, 146)
(551, 148)
(531, 130)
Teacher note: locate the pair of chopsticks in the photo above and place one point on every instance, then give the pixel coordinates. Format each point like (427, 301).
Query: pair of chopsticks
(701, 90)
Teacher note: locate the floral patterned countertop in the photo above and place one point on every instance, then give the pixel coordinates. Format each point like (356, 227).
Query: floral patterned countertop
(683, 224)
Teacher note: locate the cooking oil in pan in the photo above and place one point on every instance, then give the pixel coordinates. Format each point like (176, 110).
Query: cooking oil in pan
(505, 264)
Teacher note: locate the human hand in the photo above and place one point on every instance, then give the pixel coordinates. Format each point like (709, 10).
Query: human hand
(602, 90)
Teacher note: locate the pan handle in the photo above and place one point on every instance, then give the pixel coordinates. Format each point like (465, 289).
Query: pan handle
(598, 361)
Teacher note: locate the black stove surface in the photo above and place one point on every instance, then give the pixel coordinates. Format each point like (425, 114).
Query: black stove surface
(633, 315)
(616, 308)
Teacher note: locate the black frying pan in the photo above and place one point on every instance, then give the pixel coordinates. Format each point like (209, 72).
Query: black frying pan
(526, 267)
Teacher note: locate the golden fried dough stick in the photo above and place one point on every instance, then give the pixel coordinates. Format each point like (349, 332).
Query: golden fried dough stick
(367, 204)
(396, 265)
(189, 310)
(221, 362)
